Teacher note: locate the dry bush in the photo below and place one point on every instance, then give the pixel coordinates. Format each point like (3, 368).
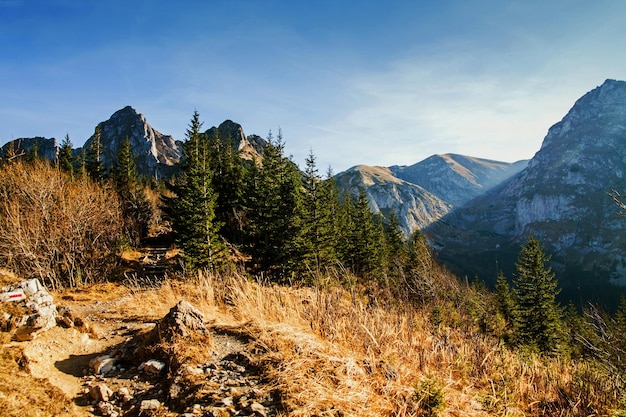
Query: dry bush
(55, 228)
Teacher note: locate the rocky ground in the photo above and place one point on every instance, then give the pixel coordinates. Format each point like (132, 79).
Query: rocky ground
(113, 362)
(110, 371)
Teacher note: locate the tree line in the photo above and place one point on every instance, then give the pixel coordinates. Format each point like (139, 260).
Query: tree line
(289, 224)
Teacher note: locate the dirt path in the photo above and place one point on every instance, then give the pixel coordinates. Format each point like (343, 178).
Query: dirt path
(223, 379)
(62, 355)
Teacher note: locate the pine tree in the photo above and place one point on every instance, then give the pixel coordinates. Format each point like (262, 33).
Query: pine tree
(537, 316)
(66, 157)
(363, 248)
(135, 206)
(228, 183)
(329, 220)
(395, 241)
(317, 242)
(505, 298)
(192, 210)
(274, 210)
(93, 157)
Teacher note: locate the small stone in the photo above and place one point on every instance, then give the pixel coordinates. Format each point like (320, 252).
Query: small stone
(257, 409)
(152, 366)
(100, 392)
(102, 364)
(149, 405)
(106, 408)
(228, 401)
(124, 395)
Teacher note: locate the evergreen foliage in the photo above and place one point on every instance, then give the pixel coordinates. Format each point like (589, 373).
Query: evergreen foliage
(94, 166)
(228, 184)
(505, 298)
(274, 208)
(192, 210)
(537, 314)
(135, 207)
(362, 250)
(66, 157)
(316, 239)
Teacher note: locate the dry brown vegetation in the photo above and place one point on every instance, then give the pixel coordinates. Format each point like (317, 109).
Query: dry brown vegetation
(422, 345)
(334, 350)
(55, 228)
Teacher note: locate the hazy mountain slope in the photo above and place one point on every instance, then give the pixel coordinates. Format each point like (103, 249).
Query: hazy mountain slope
(561, 197)
(457, 178)
(416, 208)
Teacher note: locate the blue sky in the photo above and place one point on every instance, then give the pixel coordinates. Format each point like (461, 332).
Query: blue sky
(358, 82)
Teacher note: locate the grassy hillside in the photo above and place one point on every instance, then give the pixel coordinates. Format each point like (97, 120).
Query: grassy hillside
(353, 351)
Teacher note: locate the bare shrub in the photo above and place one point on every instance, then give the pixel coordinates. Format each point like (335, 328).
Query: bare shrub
(58, 229)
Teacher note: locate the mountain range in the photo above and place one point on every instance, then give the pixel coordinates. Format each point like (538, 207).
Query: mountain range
(475, 212)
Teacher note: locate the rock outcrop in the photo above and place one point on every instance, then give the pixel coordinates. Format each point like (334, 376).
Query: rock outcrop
(249, 147)
(155, 154)
(46, 148)
(35, 312)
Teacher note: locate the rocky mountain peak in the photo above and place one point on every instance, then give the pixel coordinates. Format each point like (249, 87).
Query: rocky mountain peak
(604, 106)
(561, 198)
(155, 153)
(249, 146)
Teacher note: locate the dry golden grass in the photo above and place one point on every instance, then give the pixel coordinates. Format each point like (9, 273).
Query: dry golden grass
(332, 352)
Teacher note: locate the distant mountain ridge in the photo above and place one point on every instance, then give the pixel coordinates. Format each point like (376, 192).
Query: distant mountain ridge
(458, 178)
(561, 197)
(414, 206)
(425, 192)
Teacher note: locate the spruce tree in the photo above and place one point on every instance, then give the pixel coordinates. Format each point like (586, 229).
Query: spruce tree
(274, 210)
(192, 209)
(228, 183)
(311, 239)
(93, 158)
(365, 235)
(329, 220)
(135, 206)
(66, 157)
(505, 298)
(537, 314)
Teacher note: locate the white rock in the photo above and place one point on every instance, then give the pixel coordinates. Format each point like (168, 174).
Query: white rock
(152, 366)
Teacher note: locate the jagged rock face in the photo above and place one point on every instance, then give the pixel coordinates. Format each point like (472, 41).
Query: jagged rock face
(46, 148)
(155, 153)
(457, 178)
(561, 196)
(415, 207)
(249, 147)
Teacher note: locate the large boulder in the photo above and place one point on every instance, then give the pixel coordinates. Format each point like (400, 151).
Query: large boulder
(183, 320)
